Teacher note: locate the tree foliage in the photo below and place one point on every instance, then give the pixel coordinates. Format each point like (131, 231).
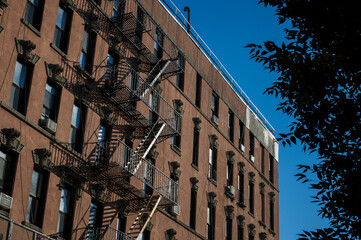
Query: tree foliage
(319, 84)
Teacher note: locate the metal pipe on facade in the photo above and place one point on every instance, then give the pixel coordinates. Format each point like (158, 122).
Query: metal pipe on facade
(188, 10)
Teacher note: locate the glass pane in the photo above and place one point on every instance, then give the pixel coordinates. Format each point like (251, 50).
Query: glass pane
(82, 62)
(45, 113)
(34, 183)
(30, 12)
(75, 119)
(15, 97)
(35, 2)
(72, 136)
(61, 19)
(57, 38)
(49, 100)
(63, 207)
(101, 133)
(93, 214)
(85, 43)
(3, 164)
(19, 74)
(61, 224)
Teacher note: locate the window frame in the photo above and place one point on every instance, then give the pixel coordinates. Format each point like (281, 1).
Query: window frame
(212, 163)
(195, 152)
(180, 76)
(77, 132)
(198, 91)
(193, 210)
(251, 196)
(18, 93)
(241, 136)
(53, 112)
(230, 125)
(214, 105)
(63, 41)
(87, 50)
(36, 201)
(67, 220)
(36, 16)
(228, 231)
(9, 171)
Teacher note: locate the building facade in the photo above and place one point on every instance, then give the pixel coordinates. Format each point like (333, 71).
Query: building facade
(116, 124)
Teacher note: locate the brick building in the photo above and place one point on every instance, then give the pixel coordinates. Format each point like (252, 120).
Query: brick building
(116, 124)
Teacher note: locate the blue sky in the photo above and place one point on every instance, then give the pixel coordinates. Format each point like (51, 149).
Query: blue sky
(227, 28)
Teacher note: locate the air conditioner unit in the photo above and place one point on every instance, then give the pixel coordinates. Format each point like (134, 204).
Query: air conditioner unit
(6, 201)
(214, 119)
(252, 158)
(242, 148)
(48, 124)
(231, 190)
(174, 209)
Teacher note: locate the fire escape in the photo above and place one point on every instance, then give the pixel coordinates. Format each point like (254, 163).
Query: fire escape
(121, 95)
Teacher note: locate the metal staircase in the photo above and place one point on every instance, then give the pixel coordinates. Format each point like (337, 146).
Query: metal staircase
(143, 218)
(112, 96)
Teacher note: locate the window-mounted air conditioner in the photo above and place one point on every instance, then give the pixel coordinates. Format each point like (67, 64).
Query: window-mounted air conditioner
(6, 201)
(242, 148)
(252, 158)
(214, 119)
(231, 190)
(174, 209)
(48, 125)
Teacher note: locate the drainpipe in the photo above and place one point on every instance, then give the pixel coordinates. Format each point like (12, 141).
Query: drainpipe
(189, 18)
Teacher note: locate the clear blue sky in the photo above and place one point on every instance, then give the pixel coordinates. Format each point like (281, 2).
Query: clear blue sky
(226, 27)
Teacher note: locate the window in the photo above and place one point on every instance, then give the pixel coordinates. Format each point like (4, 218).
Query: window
(7, 172)
(198, 90)
(139, 27)
(251, 147)
(158, 44)
(212, 172)
(250, 236)
(154, 105)
(65, 219)
(180, 77)
(95, 218)
(228, 228)
(145, 235)
(34, 12)
(193, 209)
(230, 125)
(51, 101)
(111, 70)
(210, 222)
(262, 160)
(214, 108)
(263, 213)
(241, 136)
(271, 214)
(77, 127)
(229, 173)
(195, 154)
(271, 169)
(36, 202)
(239, 232)
(251, 196)
(20, 88)
(240, 187)
(87, 50)
(61, 35)
(121, 224)
(102, 147)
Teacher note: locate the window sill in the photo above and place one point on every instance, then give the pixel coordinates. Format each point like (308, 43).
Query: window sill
(194, 166)
(59, 51)
(262, 224)
(214, 182)
(229, 195)
(5, 213)
(176, 149)
(241, 205)
(251, 214)
(84, 72)
(30, 225)
(271, 232)
(31, 27)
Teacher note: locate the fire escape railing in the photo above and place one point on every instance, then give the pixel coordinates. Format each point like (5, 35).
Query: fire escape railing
(144, 92)
(145, 171)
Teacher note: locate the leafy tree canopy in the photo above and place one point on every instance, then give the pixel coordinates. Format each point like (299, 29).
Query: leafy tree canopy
(319, 84)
